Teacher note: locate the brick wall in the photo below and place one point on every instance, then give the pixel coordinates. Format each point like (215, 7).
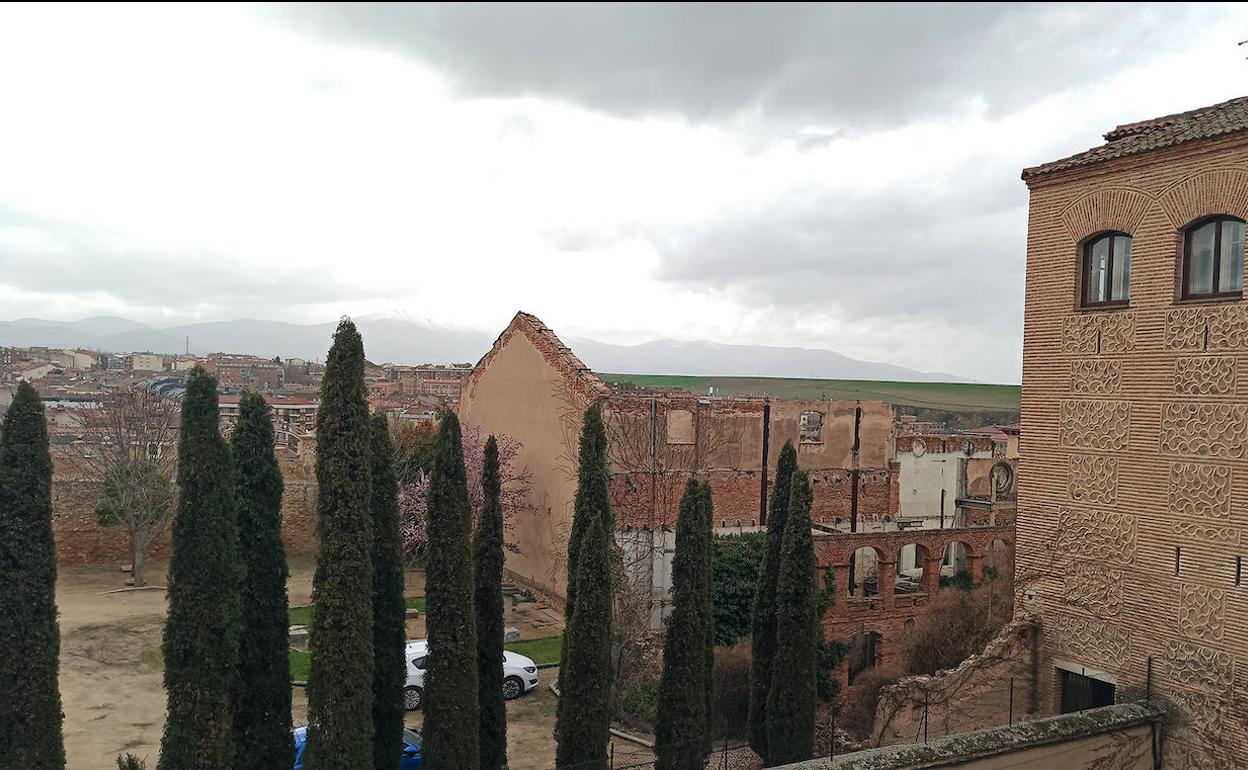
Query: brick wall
(81, 540)
(1135, 439)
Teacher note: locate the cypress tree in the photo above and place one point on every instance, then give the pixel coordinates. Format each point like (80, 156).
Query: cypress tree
(389, 610)
(204, 623)
(488, 557)
(30, 698)
(451, 708)
(583, 728)
(681, 722)
(706, 602)
(763, 623)
(340, 683)
(262, 718)
(791, 698)
(593, 480)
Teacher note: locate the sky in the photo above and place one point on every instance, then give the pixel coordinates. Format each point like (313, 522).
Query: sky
(842, 177)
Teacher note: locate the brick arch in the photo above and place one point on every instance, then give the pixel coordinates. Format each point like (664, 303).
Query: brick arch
(1112, 208)
(1220, 191)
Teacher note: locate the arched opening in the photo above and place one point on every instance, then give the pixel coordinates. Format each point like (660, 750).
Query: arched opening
(911, 565)
(955, 567)
(997, 561)
(864, 652)
(864, 572)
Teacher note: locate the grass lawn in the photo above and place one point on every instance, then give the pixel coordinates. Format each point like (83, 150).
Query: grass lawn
(543, 651)
(302, 616)
(300, 665)
(954, 396)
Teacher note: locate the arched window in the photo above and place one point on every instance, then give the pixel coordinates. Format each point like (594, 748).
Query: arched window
(1213, 258)
(1107, 270)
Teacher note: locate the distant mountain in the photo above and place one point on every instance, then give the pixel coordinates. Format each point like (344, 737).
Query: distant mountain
(721, 360)
(396, 338)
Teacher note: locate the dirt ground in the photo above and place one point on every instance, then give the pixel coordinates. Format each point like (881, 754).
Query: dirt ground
(114, 700)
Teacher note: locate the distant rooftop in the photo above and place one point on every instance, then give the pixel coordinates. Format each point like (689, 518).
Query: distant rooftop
(1210, 122)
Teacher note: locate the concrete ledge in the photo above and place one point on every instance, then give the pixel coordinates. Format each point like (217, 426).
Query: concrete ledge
(966, 747)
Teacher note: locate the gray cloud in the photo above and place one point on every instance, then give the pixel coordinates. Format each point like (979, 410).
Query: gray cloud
(861, 65)
(920, 250)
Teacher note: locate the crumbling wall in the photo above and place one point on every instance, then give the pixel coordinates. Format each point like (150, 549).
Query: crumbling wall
(996, 687)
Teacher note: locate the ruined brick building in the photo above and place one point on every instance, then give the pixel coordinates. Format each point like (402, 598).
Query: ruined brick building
(530, 386)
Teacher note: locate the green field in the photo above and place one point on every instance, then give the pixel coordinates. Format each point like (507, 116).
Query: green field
(944, 396)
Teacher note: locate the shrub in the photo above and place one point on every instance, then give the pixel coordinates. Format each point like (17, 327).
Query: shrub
(958, 625)
(641, 703)
(731, 681)
(736, 563)
(857, 714)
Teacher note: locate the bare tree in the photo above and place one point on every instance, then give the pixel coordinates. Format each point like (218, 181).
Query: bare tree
(128, 444)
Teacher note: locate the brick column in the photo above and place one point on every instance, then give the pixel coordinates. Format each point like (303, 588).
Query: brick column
(931, 576)
(887, 583)
(976, 566)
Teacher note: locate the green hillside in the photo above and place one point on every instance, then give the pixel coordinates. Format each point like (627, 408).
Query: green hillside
(941, 396)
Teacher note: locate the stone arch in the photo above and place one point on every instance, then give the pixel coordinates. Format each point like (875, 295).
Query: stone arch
(1112, 208)
(1209, 193)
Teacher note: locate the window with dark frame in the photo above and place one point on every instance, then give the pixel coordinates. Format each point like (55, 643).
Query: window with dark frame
(1213, 258)
(1107, 270)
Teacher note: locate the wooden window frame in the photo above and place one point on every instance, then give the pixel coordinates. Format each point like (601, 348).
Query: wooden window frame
(1085, 273)
(1184, 290)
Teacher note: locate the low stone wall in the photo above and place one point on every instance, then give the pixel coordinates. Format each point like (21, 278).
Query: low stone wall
(1123, 737)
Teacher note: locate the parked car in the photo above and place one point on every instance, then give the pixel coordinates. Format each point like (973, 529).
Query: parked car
(519, 674)
(413, 752)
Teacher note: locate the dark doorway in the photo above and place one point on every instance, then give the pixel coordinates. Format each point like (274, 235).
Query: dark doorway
(1081, 692)
(862, 653)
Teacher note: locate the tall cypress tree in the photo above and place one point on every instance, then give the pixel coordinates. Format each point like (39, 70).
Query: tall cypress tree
(204, 623)
(707, 533)
(488, 557)
(262, 718)
(593, 480)
(583, 728)
(451, 708)
(340, 684)
(681, 723)
(389, 610)
(763, 623)
(30, 703)
(791, 699)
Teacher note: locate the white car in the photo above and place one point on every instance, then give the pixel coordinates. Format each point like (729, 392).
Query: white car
(519, 674)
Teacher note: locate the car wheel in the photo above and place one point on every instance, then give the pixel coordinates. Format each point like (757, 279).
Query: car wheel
(412, 697)
(512, 688)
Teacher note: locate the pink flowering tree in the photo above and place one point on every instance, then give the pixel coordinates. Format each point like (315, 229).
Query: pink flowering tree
(516, 485)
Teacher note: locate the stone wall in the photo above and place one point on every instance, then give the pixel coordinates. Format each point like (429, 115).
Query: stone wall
(1121, 737)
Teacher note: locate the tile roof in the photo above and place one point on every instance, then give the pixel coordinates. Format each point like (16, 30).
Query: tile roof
(1210, 122)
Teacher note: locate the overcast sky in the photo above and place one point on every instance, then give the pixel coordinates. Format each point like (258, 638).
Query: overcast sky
(823, 176)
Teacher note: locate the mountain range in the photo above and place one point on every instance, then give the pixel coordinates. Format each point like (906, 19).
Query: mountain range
(398, 339)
